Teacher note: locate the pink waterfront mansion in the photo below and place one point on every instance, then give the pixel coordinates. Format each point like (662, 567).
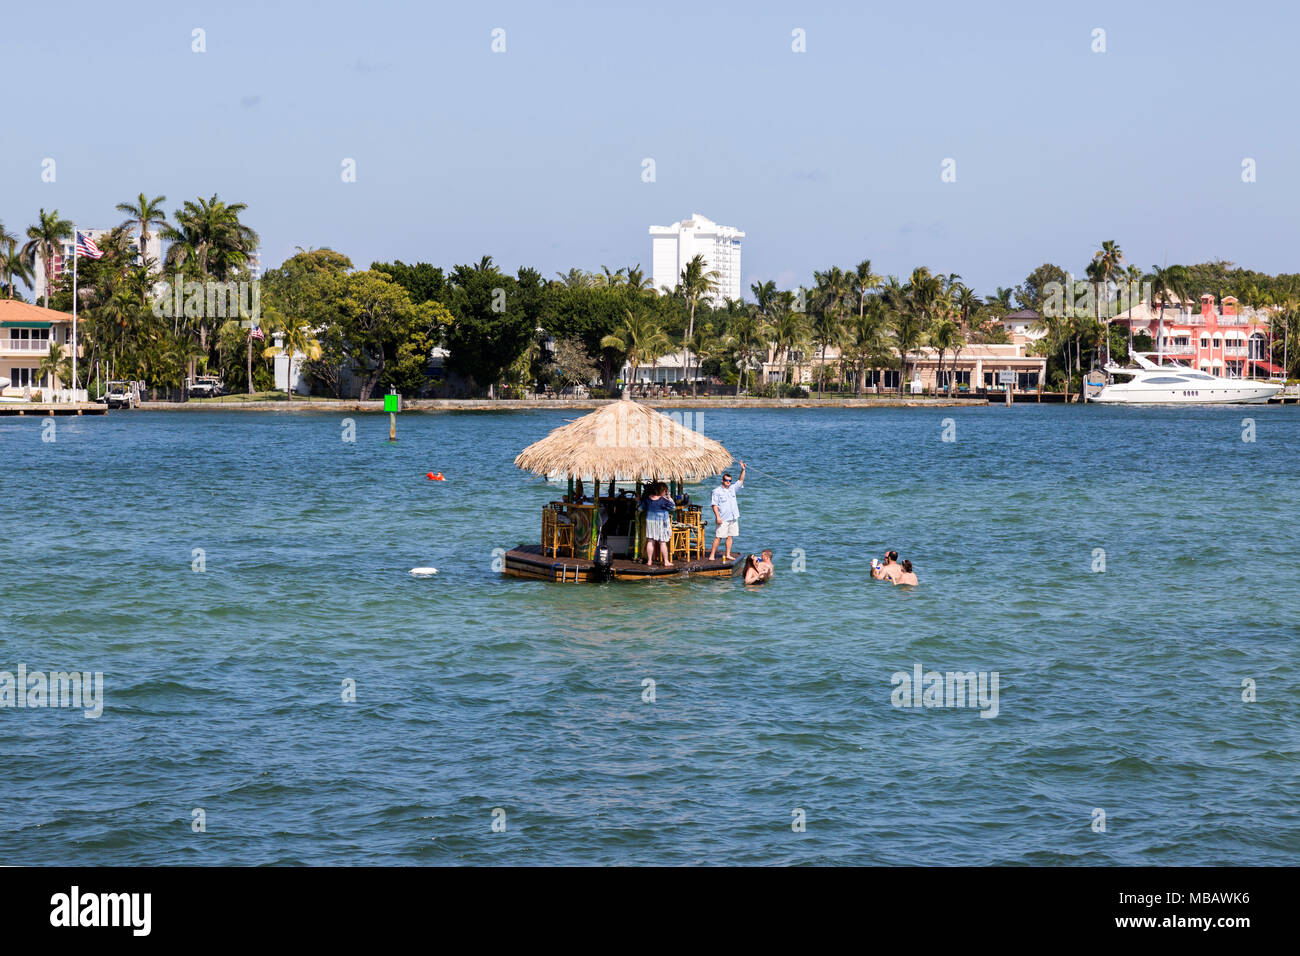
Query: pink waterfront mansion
(1226, 343)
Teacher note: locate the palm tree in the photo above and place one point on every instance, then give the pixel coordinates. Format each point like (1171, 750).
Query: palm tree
(968, 302)
(946, 336)
(764, 296)
(209, 234)
(1108, 260)
(144, 212)
(765, 309)
(833, 288)
(11, 261)
(208, 237)
(705, 345)
(55, 365)
(1290, 322)
(1058, 329)
(42, 238)
(789, 330)
(1169, 281)
(296, 338)
(866, 339)
(744, 340)
(1133, 278)
(575, 279)
(824, 329)
(912, 315)
(636, 280)
(863, 281)
(640, 340)
(698, 281)
(612, 279)
(231, 331)
(1000, 301)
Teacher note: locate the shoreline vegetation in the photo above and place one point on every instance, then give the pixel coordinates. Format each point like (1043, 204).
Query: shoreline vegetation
(280, 404)
(476, 331)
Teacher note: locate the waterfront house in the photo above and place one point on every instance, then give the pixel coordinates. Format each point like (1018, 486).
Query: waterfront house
(1024, 326)
(1227, 341)
(665, 370)
(973, 367)
(26, 333)
(978, 366)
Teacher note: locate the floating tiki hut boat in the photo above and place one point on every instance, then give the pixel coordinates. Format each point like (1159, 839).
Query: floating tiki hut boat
(601, 537)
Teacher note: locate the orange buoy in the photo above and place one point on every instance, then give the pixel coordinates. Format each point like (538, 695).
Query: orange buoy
(432, 477)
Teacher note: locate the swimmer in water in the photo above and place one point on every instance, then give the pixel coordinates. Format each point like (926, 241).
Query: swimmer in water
(889, 571)
(759, 569)
(906, 574)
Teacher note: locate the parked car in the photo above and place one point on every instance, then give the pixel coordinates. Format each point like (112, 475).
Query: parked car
(205, 386)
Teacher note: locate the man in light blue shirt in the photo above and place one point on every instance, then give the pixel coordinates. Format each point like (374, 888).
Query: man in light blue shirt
(726, 513)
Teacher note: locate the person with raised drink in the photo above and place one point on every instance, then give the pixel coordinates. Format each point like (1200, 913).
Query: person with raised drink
(889, 571)
(726, 513)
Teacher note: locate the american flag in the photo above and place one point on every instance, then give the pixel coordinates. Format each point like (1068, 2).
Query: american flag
(86, 247)
(256, 333)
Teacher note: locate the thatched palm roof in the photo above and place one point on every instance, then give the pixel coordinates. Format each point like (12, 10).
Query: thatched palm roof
(625, 440)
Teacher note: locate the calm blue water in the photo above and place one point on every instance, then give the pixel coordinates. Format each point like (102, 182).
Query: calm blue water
(1119, 690)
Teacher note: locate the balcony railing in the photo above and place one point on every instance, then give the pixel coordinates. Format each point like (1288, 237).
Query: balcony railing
(24, 345)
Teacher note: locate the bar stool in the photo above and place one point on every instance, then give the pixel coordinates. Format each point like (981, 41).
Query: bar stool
(693, 519)
(557, 532)
(680, 545)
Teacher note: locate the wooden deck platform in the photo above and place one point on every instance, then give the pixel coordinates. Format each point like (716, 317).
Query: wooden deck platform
(528, 561)
(58, 408)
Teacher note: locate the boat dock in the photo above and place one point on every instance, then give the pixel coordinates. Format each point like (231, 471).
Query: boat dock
(56, 408)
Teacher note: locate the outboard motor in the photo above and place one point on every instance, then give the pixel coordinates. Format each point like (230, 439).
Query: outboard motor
(604, 570)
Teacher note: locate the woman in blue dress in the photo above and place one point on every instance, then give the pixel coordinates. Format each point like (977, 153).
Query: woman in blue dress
(658, 507)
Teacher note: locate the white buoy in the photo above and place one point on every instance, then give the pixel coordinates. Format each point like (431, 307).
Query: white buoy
(423, 572)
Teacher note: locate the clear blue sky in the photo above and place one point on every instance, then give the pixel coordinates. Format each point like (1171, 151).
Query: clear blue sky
(534, 155)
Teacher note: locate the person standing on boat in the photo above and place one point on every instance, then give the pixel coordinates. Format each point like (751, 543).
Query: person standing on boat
(658, 508)
(726, 513)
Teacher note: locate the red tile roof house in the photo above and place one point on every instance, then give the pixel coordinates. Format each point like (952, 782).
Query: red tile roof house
(1226, 342)
(26, 332)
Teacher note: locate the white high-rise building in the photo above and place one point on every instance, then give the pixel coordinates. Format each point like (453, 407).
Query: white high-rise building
(674, 246)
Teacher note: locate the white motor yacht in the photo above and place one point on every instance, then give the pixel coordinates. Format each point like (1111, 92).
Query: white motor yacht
(1169, 383)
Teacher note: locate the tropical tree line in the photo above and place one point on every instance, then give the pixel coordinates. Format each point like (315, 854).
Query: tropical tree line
(502, 333)
(586, 326)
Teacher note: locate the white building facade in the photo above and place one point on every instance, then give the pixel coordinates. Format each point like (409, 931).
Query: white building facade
(674, 246)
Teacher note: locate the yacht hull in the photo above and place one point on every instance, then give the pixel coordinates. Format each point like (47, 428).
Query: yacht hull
(1128, 395)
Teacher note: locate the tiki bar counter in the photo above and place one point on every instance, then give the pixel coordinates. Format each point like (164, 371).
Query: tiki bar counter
(597, 531)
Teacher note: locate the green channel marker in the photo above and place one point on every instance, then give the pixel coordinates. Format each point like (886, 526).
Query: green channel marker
(392, 405)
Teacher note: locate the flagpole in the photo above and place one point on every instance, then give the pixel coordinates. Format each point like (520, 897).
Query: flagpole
(74, 312)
